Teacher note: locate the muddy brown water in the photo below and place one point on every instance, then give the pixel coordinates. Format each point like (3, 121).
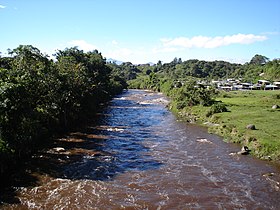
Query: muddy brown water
(138, 156)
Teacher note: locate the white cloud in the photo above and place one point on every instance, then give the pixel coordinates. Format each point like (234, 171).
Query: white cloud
(212, 42)
(136, 55)
(233, 59)
(166, 49)
(82, 45)
(271, 33)
(120, 54)
(114, 42)
(2, 6)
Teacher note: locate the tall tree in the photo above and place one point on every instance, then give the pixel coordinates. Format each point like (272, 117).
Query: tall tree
(259, 60)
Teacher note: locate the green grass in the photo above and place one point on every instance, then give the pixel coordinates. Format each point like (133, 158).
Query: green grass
(247, 107)
(254, 107)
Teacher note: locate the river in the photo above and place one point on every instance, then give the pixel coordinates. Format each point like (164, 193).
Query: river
(139, 156)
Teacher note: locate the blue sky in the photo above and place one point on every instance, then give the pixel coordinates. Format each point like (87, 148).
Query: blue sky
(144, 31)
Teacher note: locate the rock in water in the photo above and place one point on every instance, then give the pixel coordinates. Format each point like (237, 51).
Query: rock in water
(244, 151)
(59, 149)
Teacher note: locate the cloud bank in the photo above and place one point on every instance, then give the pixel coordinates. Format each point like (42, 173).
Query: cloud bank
(82, 45)
(166, 48)
(2, 6)
(212, 42)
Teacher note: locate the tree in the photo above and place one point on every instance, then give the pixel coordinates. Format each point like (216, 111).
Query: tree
(39, 97)
(272, 70)
(159, 63)
(26, 89)
(191, 94)
(259, 60)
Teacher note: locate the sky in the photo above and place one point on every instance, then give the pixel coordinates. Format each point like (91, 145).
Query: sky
(142, 31)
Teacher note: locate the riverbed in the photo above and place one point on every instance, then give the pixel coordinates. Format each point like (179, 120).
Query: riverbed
(137, 155)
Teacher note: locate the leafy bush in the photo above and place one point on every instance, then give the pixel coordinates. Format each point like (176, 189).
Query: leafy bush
(217, 108)
(192, 94)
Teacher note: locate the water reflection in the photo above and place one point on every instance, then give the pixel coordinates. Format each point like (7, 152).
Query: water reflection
(119, 152)
(122, 149)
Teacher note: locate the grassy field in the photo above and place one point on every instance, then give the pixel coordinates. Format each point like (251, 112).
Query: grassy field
(247, 107)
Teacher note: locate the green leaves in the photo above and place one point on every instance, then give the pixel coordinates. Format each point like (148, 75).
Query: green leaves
(39, 96)
(217, 108)
(191, 94)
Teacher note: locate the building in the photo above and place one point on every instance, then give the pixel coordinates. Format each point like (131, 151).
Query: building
(277, 84)
(263, 82)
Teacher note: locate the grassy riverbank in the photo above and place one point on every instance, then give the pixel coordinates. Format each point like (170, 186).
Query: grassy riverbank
(245, 107)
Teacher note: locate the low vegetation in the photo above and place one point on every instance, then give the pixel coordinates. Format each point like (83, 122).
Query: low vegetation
(251, 107)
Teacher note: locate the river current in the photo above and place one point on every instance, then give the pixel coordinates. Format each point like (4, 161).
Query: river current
(139, 156)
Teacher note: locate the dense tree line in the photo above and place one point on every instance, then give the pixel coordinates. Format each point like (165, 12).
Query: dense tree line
(208, 70)
(185, 82)
(40, 97)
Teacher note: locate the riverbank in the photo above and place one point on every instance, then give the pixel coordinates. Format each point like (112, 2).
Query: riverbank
(244, 108)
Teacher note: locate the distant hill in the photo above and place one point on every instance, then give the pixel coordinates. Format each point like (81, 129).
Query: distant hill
(151, 63)
(110, 60)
